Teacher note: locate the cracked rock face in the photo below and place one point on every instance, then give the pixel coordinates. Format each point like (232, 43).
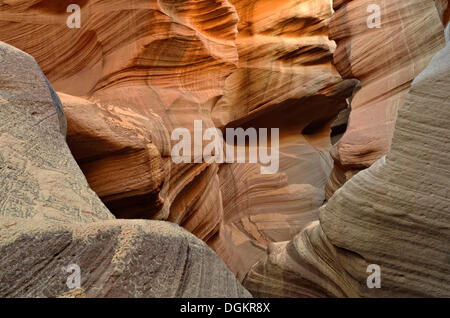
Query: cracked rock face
(117, 258)
(51, 219)
(36, 162)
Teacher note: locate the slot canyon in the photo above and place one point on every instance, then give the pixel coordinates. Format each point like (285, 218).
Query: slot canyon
(87, 176)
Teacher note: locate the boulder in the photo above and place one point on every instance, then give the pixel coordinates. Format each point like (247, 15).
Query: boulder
(52, 222)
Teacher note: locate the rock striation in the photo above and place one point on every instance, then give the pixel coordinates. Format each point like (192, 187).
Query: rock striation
(51, 219)
(394, 214)
(385, 60)
(136, 71)
(131, 74)
(284, 79)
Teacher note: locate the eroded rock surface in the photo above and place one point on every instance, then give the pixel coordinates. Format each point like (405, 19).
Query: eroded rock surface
(395, 214)
(385, 60)
(117, 258)
(50, 218)
(39, 176)
(135, 71)
(284, 79)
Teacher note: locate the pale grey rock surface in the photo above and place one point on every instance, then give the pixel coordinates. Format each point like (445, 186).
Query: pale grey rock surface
(50, 218)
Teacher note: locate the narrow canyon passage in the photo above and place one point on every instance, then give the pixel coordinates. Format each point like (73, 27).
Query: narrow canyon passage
(342, 103)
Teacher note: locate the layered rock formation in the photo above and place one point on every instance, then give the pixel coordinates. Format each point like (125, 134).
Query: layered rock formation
(285, 79)
(128, 77)
(136, 71)
(385, 60)
(51, 219)
(395, 214)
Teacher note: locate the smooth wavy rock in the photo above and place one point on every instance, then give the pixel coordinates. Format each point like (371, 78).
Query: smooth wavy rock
(285, 80)
(105, 140)
(385, 60)
(395, 214)
(51, 219)
(133, 73)
(258, 210)
(284, 56)
(137, 70)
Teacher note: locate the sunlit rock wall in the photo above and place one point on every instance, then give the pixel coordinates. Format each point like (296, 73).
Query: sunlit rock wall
(136, 70)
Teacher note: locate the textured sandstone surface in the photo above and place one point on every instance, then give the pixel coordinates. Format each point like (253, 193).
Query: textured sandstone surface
(127, 78)
(135, 71)
(395, 214)
(280, 45)
(50, 218)
(117, 258)
(284, 79)
(385, 60)
(35, 160)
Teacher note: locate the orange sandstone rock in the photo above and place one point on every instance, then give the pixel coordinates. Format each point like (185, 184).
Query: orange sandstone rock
(385, 60)
(136, 71)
